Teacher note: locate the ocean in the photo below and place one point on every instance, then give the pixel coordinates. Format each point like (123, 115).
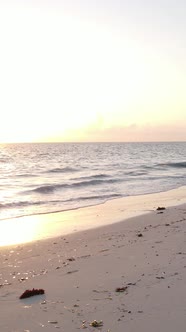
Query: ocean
(39, 178)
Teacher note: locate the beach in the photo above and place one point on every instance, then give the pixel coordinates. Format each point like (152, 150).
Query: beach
(126, 273)
(93, 166)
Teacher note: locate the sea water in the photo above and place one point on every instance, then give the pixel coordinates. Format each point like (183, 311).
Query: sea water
(42, 178)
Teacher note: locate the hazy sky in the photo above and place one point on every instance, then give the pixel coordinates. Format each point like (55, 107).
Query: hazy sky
(87, 70)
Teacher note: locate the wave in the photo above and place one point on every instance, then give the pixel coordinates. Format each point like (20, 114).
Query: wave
(63, 170)
(26, 175)
(20, 204)
(181, 164)
(47, 189)
(20, 212)
(94, 197)
(93, 181)
(96, 176)
(42, 178)
(136, 173)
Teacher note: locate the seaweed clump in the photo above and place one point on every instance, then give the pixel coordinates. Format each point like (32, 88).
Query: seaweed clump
(121, 289)
(32, 292)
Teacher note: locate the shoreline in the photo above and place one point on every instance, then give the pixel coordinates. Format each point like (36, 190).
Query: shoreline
(50, 225)
(81, 271)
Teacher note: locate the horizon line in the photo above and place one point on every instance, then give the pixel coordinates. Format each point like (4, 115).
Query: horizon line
(90, 142)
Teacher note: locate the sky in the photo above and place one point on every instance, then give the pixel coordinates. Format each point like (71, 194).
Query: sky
(92, 70)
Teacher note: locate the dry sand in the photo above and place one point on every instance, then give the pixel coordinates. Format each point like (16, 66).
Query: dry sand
(80, 273)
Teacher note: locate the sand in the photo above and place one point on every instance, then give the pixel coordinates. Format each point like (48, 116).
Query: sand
(144, 256)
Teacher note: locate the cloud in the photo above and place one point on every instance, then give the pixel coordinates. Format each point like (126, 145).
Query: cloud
(131, 133)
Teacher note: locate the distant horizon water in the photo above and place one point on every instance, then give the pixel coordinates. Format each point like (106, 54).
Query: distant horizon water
(40, 178)
(91, 142)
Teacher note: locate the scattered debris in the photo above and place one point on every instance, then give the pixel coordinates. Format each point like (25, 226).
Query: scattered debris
(131, 283)
(52, 322)
(23, 279)
(69, 272)
(83, 325)
(6, 283)
(29, 293)
(103, 250)
(161, 208)
(95, 323)
(85, 256)
(99, 291)
(121, 289)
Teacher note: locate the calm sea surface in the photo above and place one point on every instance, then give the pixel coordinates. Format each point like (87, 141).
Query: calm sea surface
(41, 178)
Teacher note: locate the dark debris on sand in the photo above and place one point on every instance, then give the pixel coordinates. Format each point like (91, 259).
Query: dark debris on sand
(121, 289)
(32, 292)
(161, 208)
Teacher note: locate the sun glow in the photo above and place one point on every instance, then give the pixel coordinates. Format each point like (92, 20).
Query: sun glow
(65, 72)
(16, 231)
